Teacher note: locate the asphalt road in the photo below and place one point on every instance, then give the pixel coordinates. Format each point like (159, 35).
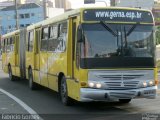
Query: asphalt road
(48, 105)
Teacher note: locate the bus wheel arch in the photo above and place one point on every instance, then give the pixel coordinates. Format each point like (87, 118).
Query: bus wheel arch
(63, 91)
(32, 85)
(9, 66)
(11, 77)
(60, 75)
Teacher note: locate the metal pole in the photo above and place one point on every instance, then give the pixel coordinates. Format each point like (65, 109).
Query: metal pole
(16, 11)
(45, 9)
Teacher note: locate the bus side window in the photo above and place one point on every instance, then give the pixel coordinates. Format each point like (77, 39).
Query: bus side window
(30, 40)
(9, 47)
(4, 46)
(11, 44)
(62, 37)
(62, 29)
(8, 44)
(53, 35)
(44, 39)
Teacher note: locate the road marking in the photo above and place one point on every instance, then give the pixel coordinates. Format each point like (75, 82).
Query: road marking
(21, 103)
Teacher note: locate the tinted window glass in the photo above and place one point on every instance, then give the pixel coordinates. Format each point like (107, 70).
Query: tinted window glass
(44, 39)
(61, 41)
(30, 40)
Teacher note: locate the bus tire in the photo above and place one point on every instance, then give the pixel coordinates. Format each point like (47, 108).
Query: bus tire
(124, 100)
(11, 77)
(32, 85)
(66, 100)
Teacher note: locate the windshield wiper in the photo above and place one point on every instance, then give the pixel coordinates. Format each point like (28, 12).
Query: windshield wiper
(132, 28)
(108, 28)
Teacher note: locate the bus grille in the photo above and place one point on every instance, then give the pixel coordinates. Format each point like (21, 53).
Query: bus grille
(120, 79)
(118, 85)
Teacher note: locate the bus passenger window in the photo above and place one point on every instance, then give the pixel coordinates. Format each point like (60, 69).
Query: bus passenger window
(11, 44)
(30, 40)
(62, 37)
(4, 46)
(44, 39)
(53, 34)
(63, 29)
(8, 45)
(53, 31)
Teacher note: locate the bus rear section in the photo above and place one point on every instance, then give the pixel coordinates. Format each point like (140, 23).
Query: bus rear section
(10, 54)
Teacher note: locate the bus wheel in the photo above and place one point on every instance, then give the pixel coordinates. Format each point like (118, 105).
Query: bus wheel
(30, 77)
(11, 77)
(64, 93)
(124, 100)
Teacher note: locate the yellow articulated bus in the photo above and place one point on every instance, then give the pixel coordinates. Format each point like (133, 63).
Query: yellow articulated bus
(10, 54)
(88, 54)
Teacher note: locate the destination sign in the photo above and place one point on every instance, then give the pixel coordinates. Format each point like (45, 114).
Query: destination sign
(117, 15)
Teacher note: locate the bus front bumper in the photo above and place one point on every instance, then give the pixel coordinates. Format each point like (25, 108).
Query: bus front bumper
(89, 94)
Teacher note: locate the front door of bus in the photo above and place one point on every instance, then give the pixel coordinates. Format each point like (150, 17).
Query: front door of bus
(72, 72)
(44, 56)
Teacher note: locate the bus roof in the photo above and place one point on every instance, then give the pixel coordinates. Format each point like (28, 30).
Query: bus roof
(72, 13)
(75, 12)
(10, 34)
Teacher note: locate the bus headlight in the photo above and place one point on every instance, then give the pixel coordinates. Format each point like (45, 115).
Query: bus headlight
(91, 84)
(147, 83)
(150, 83)
(94, 85)
(144, 84)
(98, 85)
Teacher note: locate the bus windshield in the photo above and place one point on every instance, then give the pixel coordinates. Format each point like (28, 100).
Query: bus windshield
(117, 45)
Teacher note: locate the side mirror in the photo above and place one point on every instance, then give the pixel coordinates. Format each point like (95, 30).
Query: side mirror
(79, 34)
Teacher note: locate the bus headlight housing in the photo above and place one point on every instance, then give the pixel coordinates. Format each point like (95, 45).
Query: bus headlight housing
(98, 85)
(144, 84)
(94, 85)
(91, 84)
(151, 83)
(147, 84)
